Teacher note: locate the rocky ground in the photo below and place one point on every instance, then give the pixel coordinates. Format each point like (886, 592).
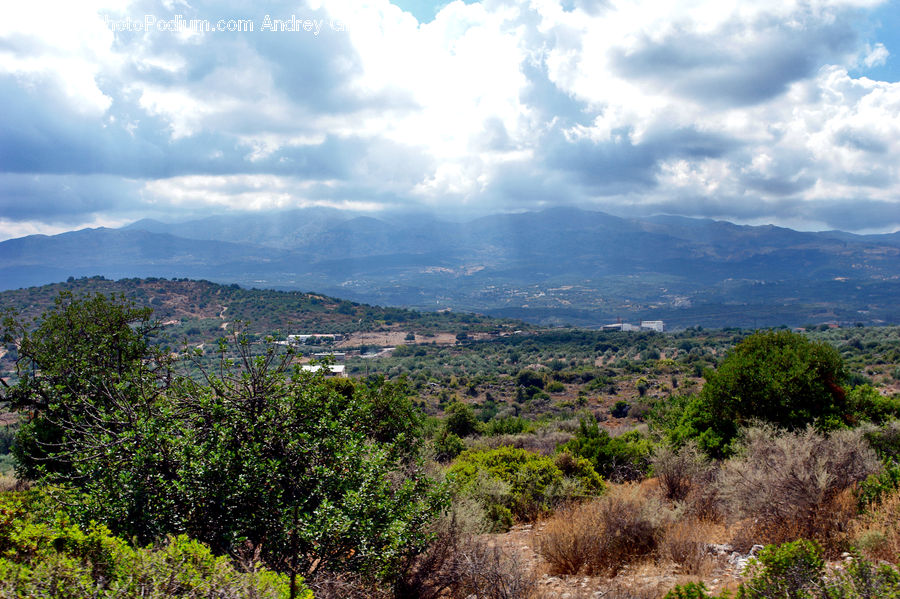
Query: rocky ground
(647, 580)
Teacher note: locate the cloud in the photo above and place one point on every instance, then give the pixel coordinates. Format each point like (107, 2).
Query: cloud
(63, 199)
(875, 56)
(736, 110)
(740, 62)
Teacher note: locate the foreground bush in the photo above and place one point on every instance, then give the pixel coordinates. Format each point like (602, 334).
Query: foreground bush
(599, 537)
(47, 555)
(243, 449)
(512, 482)
(796, 485)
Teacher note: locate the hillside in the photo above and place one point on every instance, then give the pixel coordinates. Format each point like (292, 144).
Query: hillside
(200, 312)
(560, 266)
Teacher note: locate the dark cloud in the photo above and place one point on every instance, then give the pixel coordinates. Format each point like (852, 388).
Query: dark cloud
(739, 63)
(621, 166)
(63, 198)
(853, 214)
(860, 139)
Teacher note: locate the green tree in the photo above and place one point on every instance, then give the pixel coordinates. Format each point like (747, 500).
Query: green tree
(86, 362)
(460, 419)
(316, 475)
(776, 376)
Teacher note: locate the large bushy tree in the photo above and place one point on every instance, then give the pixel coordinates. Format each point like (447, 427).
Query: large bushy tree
(774, 376)
(246, 453)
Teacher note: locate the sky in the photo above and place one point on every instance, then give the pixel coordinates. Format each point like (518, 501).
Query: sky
(765, 111)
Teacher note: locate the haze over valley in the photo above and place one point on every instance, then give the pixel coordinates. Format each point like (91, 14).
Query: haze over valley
(557, 266)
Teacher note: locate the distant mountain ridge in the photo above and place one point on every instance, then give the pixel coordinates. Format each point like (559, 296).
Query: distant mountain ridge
(558, 265)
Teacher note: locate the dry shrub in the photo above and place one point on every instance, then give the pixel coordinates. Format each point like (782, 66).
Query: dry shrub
(703, 501)
(680, 470)
(458, 565)
(486, 572)
(877, 533)
(436, 571)
(602, 536)
(795, 485)
(7, 482)
(346, 586)
(686, 543)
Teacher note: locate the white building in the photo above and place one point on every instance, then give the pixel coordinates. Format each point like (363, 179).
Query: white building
(333, 369)
(652, 325)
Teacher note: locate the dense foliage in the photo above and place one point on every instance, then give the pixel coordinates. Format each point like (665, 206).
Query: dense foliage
(621, 458)
(516, 483)
(45, 553)
(314, 475)
(778, 377)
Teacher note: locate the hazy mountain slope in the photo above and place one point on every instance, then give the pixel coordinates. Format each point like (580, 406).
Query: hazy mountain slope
(562, 259)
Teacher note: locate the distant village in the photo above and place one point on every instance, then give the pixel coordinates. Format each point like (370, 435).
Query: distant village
(340, 370)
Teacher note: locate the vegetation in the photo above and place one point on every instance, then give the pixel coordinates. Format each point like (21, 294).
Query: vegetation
(515, 483)
(45, 553)
(779, 377)
(629, 447)
(797, 569)
(310, 475)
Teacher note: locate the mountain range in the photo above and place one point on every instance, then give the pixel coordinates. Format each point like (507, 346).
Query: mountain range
(562, 265)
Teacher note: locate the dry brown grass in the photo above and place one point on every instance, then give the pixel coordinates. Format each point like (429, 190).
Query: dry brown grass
(686, 543)
(458, 565)
(8, 482)
(601, 536)
(877, 533)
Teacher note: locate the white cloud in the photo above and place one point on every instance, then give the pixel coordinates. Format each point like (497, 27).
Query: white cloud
(876, 56)
(499, 104)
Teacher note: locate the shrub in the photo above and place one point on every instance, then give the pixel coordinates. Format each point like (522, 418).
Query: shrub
(797, 570)
(457, 565)
(620, 409)
(555, 387)
(512, 482)
(864, 403)
(871, 491)
(780, 377)
(529, 378)
(45, 554)
(685, 542)
(601, 536)
(526, 479)
(791, 570)
(622, 458)
(487, 571)
(680, 470)
(580, 470)
(793, 485)
(447, 446)
(885, 440)
(877, 532)
(461, 419)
